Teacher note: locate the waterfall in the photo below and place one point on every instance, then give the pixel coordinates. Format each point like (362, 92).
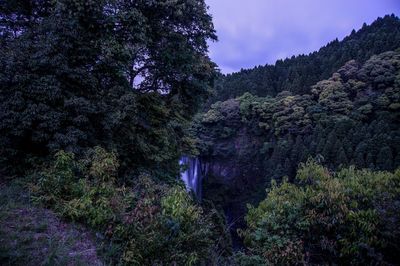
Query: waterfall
(193, 174)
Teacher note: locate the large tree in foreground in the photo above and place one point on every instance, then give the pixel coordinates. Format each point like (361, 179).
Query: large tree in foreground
(123, 74)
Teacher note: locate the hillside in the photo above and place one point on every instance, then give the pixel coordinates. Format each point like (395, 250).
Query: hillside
(31, 235)
(352, 118)
(111, 152)
(298, 73)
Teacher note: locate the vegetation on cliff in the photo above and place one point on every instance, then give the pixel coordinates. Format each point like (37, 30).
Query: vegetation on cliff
(99, 99)
(350, 119)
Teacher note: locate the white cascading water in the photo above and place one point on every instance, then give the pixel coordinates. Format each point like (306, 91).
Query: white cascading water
(192, 176)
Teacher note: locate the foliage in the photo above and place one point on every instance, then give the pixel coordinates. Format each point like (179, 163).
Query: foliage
(166, 229)
(347, 217)
(150, 223)
(126, 75)
(79, 78)
(345, 120)
(80, 193)
(298, 73)
(248, 260)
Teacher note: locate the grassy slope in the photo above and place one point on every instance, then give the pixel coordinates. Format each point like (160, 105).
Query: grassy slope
(30, 235)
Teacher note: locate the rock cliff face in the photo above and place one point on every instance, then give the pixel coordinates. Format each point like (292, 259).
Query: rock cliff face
(233, 180)
(237, 172)
(231, 185)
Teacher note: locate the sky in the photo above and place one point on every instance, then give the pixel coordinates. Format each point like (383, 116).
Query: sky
(257, 32)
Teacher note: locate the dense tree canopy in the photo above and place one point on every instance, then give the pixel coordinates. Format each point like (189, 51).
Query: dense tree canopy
(298, 73)
(123, 74)
(351, 118)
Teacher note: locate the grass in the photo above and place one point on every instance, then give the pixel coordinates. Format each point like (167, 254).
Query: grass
(30, 235)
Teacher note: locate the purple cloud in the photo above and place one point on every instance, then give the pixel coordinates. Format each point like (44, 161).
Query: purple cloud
(257, 32)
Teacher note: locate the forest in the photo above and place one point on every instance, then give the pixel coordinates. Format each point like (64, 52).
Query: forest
(122, 143)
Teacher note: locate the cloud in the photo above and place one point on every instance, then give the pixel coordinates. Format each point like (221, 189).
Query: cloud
(257, 32)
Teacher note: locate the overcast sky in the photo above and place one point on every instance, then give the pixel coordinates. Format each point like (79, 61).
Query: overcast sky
(257, 32)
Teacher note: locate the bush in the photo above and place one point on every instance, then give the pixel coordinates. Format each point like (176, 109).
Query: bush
(150, 223)
(348, 217)
(165, 227)
(57, 181)
(81, 190)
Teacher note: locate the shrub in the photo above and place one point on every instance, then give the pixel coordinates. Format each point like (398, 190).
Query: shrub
(57, 181)
(104, 165)
(148, 224)
(348, 217)
(81, 190)
(164, 227)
